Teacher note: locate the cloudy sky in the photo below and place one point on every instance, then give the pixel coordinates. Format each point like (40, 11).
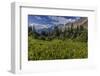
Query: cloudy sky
(43, 21)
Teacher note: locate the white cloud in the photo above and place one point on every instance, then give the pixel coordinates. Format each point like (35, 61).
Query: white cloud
(77, 18)
(61, 20)
(37, 17)
(38, 26)
(55, 20)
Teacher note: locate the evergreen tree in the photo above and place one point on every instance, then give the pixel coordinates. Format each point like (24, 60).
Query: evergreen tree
(81, 28)
(57, 31)
(35, 34)
(29, 31)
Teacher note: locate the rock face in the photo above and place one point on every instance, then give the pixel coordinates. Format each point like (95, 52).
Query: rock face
(83, 21)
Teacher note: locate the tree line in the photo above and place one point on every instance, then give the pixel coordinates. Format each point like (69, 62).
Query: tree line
(78, 33)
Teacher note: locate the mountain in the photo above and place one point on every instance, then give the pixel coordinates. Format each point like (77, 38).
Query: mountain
(41, 28)
(83, 21)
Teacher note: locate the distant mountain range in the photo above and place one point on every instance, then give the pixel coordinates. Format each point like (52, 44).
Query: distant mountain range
(83, 21)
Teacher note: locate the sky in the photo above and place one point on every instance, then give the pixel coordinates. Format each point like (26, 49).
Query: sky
(43, 21)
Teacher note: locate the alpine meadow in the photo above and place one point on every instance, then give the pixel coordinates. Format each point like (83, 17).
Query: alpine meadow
(57, 37)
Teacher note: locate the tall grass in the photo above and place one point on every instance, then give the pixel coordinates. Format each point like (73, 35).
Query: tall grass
(56, 49)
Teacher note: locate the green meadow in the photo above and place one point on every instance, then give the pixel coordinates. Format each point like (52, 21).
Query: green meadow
(65, 42)
(56, 49)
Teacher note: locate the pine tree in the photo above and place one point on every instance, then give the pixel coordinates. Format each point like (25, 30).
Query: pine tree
(29, 31)
(35, 34)
(57, 31)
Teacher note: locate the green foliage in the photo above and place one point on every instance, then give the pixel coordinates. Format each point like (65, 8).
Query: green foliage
(83, 36)
(57, 44)
(56, 49)
(79, 33)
